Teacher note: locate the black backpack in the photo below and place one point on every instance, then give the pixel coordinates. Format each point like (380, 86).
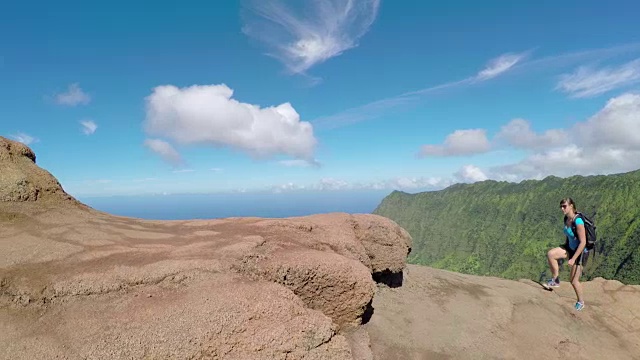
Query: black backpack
(590, 230)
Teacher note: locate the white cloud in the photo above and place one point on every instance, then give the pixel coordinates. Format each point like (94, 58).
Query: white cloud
(397, 183)
(183, 171)
(24, 138)
(73, 96)
(470, 173)
(616, 125)
(287, 187)
(88, 127)
(303, 34)
(409, 183)
(216, 169)
(460, 142)
(518, 133)
(570, 160)
(165, 150)
(607, 142)
(587, 81)
(207, 115)
(332, 184)
(500, 65)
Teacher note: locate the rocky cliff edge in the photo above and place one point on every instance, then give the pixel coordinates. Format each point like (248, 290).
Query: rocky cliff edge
(78, 283)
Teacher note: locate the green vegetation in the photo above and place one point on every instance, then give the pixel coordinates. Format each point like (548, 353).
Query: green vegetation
(505, 229)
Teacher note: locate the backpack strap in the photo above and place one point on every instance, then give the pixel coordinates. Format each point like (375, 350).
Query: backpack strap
(574, 227)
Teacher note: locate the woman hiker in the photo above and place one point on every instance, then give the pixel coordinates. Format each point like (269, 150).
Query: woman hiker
(573, 248)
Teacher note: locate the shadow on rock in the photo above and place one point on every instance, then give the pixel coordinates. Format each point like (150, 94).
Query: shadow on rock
(389, 278)
(368, 312)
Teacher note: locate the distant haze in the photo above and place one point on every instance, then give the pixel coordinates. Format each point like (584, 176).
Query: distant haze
(207, 206)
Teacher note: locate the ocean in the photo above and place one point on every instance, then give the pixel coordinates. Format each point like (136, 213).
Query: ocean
(212, 206)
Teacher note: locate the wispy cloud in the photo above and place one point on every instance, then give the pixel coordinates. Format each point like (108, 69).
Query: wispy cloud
(302, 34)
(183, 171)
(145, 179)
(494, 68)
(558, 61)
(88, 126)
(165, 150)
(73, 96)
(24, 138)
(500, 65)
(299, 163)
(506, 63)
(364, 112)
(588, 81)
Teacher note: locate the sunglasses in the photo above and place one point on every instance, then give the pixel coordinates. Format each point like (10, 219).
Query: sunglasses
(563, 206)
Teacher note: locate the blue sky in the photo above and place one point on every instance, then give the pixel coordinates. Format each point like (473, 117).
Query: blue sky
(120, 98)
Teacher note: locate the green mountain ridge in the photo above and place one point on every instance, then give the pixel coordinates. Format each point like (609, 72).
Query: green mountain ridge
(504, 229)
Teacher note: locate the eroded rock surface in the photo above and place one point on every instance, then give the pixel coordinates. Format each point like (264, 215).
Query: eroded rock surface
(439, 314)
(79, 283)
(22, 180)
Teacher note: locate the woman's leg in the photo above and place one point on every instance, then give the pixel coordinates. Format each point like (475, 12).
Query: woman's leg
(576, 272)
(553, 256)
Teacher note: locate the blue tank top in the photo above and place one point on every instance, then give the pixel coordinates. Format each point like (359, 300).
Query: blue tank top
(574, 242)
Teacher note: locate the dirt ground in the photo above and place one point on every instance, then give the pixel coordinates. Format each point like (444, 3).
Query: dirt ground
(438, 314)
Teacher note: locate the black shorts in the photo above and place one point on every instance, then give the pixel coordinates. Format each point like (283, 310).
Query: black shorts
(581, 260)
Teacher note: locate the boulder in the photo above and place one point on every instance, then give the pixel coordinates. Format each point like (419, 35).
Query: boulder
(79, 283)
(22, 180)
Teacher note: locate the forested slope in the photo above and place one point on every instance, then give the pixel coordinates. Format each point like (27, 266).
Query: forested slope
(504, 229)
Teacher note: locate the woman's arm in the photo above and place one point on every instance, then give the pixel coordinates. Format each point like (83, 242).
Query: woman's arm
(582, 236)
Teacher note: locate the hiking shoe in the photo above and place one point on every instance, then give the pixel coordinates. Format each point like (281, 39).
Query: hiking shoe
(552, 284)
(579, 306)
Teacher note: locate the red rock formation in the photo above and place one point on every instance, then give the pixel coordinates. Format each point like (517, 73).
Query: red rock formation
(78, 283)
(21, 179)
